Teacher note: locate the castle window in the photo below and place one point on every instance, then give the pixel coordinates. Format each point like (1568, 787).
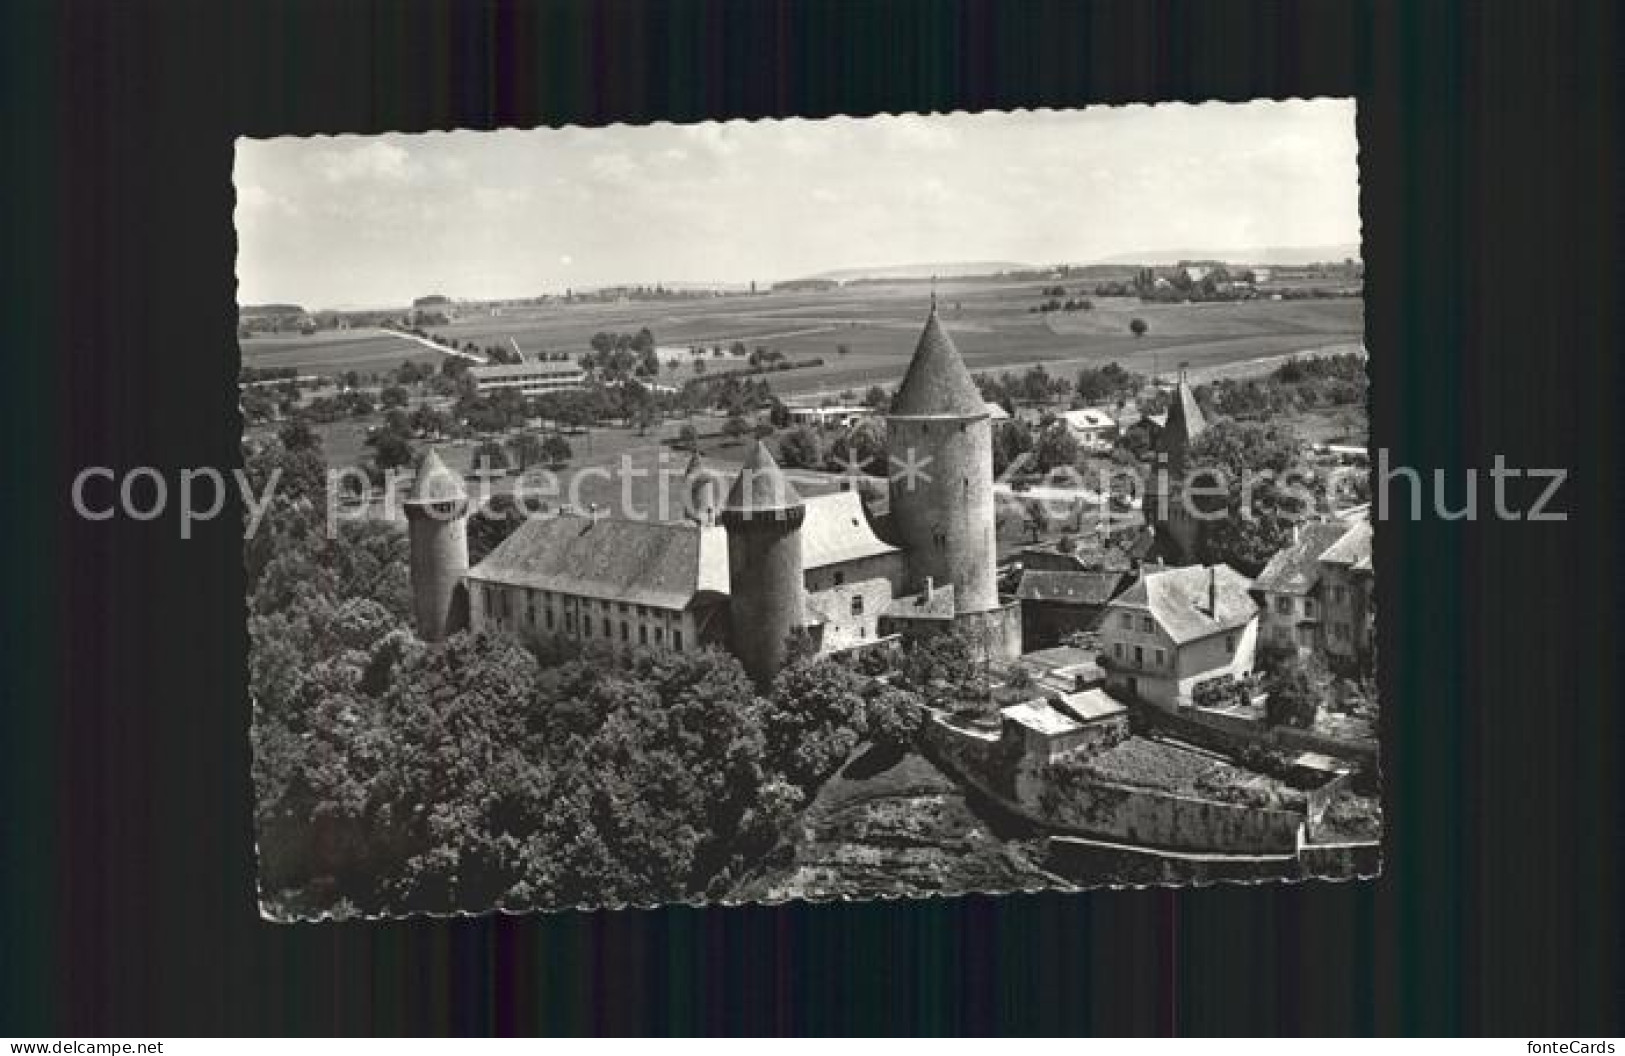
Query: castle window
(1229, 643)
(840, 578)
(677, 640)
(659, 634)
(857, 604)
(1283, 605)
(1128, 622)
(643, 635)
(626, 631)
(1146, 625)
(1139, 656)
(548, 613)
(1162, 658)
(609, 628)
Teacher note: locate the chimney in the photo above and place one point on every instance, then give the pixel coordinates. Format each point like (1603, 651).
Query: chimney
(930, 588)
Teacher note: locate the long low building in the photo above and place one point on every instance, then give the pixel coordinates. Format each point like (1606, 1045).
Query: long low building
(531, 378)
(667, 583)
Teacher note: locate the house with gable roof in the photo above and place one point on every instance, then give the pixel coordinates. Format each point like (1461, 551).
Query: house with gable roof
(1176, 628)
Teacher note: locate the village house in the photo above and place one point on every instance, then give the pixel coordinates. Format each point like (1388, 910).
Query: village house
(1175, 628)
(1316, 592)
(1094, 428)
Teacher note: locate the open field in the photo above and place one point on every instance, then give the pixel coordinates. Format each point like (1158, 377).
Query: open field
(878, 324)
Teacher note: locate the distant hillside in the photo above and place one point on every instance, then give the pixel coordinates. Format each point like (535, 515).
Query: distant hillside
(920, 271)
(1255, 255)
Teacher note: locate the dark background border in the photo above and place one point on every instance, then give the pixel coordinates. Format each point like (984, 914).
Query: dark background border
(1490, 136)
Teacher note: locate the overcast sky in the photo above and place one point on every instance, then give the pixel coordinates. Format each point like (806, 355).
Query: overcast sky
(378, 220)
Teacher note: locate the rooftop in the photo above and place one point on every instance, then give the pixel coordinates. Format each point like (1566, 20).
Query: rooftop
(435, 481)
(1070, 588)
(940, 606)
(761, 486)
(1178, 599)
(668, 565)
(1092, 705)
(1353, 549)
(1038, 716)
(1296, 568)
(837, 531)
(937, 382)
(1088, 418)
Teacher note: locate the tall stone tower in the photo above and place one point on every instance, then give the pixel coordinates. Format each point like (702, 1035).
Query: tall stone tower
(702, 487)
(1177, 530)
(437, 523)
(762, 515)
(941, 445)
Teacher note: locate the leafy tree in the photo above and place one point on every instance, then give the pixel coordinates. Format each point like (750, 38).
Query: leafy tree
(1138, 327)
(556, 450)
(1056, 447)
(801, 448)
(894, 718)
(491, 456)
(689, 437)
(813, 719)
(1011, 439)
(864, 444)
(1254, 489)
(736, 428)
(393, 396)
(525, 450)
(1296, 691)
(1036, 519)
(297, 435)
(390, 450)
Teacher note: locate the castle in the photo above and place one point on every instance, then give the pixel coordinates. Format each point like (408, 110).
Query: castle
(760, 565)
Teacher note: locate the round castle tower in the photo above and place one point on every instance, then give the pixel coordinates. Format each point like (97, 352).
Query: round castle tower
(942, 510)
(437, 524)
(763, 517)
(702, 487)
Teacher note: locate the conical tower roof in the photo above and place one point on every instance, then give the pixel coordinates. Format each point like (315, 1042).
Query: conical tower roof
(761, 487)
(1185, 422)
(937, 382)
(435, 481)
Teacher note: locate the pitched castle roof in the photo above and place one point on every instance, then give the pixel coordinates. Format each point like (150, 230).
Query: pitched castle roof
(1178, 599)
(837, 531)
(435, 481)
(761, 486)
(670, 565)
(937, 382)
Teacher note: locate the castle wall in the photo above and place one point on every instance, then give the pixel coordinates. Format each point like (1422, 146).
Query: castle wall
(944, 516)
